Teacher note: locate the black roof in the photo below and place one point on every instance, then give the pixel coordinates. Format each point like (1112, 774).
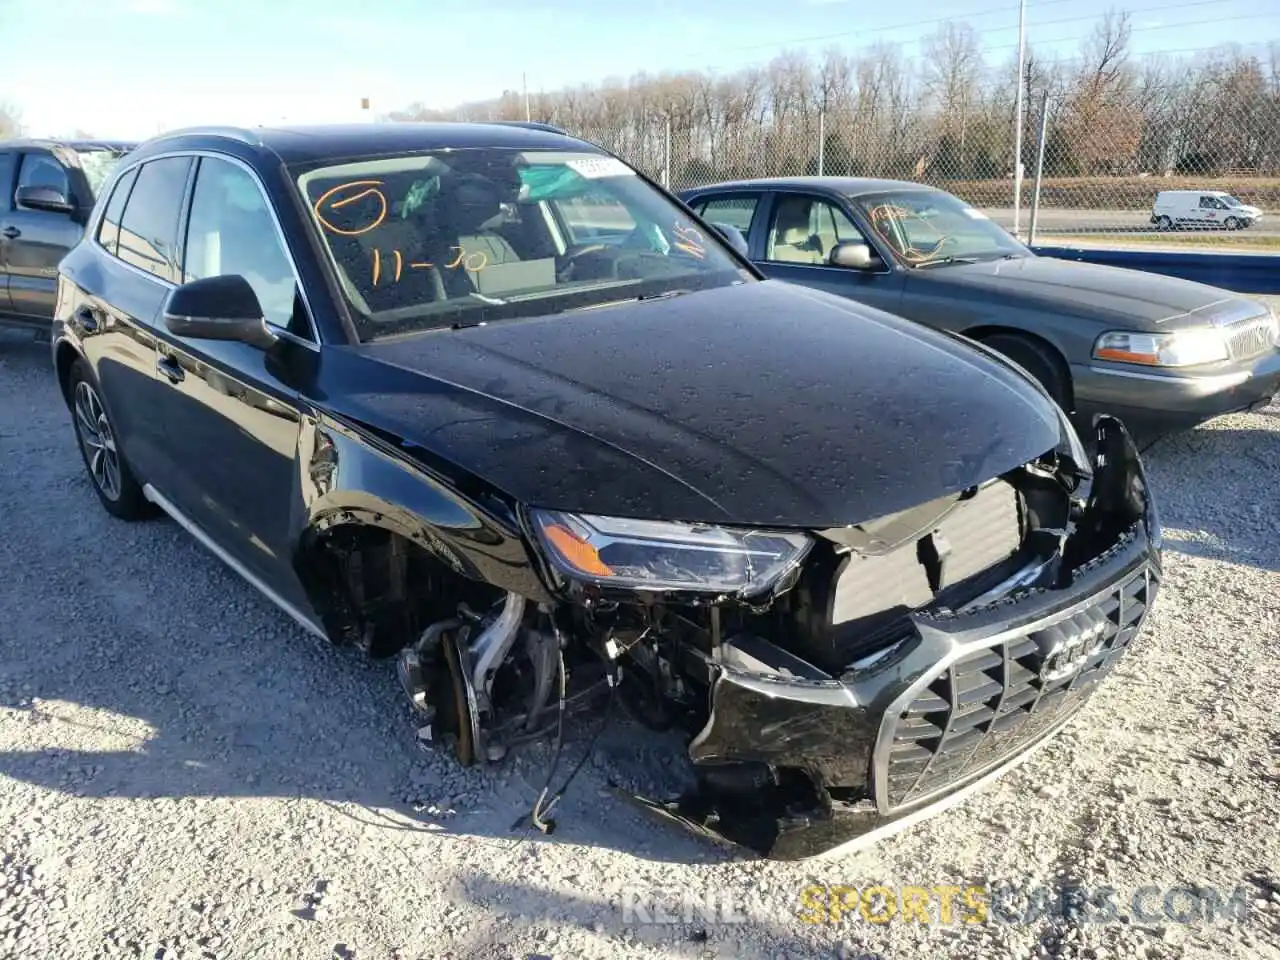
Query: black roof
(302, 144)
(845, 186)
(48, 143)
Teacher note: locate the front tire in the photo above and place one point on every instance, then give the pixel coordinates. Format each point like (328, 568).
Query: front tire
(1039, 361)
(113, 481)
(1231, 223)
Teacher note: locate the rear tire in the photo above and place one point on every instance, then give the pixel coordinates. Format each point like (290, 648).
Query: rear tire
(1041, 361)
(117, 489)
(1164, 223)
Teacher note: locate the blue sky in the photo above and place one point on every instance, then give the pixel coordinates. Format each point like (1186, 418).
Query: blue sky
(129, 68)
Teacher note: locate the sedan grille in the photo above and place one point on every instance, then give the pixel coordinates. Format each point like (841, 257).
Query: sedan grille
(995, 701)
(1250, 338)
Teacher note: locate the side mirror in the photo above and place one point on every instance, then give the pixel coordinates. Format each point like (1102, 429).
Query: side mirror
(218, 308)
(44, 198)
(733, 235)
(855, 256)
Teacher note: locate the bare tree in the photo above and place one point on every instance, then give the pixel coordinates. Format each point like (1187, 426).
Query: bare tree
(947, 116)
(10, 121)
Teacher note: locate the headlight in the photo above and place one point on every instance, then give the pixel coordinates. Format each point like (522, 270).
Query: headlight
(1182, 348)
(653, 555)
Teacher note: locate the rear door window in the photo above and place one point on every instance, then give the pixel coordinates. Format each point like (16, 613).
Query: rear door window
(149, 226)
(735, 211)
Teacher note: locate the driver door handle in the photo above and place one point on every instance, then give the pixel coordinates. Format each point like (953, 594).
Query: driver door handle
(169, 368)
(11, 232)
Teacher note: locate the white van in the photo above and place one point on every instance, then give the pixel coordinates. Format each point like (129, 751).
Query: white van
(1175, 208)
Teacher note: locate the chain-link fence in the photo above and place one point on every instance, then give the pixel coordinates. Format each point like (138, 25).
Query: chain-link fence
(1090, 165)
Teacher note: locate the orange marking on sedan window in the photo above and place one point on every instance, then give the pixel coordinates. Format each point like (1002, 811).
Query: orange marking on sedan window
(377, 266)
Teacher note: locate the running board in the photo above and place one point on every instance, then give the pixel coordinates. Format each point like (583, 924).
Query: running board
(152, 494)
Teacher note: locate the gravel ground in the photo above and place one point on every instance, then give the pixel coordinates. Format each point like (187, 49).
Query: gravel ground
(183, 773)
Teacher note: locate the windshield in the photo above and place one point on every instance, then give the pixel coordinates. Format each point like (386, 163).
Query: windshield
(459, 237)
(928, 226)
(97, 166)
(1230, 201)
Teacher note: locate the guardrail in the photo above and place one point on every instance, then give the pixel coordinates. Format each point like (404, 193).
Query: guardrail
(1239, 272)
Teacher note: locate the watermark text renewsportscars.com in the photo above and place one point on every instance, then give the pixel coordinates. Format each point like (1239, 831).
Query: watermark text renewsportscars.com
(942, 904)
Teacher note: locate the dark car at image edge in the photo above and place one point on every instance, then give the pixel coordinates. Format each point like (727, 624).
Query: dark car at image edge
(47, 190)
(1161, 353)
(485, 399)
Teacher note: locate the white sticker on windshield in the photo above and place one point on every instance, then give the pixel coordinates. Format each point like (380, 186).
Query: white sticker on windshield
(595, 168)
(973, 214)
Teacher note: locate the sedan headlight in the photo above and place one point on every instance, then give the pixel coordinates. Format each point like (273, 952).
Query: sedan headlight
(655, 555)
(1182, 348)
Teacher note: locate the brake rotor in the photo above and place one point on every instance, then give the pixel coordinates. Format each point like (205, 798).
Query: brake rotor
(463, 697)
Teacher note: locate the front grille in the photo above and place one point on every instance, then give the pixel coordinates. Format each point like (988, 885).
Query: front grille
(995, 701)
(1250, 338)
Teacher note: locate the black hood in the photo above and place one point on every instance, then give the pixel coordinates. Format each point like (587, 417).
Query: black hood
(761, 404)
(1155, 301)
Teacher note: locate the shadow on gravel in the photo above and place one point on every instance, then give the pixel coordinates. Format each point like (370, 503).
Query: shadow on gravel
(703, 922)
(140, 667)
(1217, 491)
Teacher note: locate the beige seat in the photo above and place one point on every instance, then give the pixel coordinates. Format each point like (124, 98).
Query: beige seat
(792, 239)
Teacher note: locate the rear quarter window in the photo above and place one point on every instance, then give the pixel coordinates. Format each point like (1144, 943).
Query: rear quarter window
(109, 229)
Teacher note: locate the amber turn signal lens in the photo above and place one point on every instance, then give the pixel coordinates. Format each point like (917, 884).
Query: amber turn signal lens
(575, 551)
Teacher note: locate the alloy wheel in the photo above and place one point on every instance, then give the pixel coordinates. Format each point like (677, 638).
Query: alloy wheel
(97, 440)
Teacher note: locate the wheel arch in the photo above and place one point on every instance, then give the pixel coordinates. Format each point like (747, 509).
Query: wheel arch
(1052, 352)
(64, 357)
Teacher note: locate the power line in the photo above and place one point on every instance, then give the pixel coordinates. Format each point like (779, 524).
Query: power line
(1150, 29)
(1032, 38)
(959, 18)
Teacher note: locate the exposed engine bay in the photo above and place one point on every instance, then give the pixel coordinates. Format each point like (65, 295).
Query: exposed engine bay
(786, 696)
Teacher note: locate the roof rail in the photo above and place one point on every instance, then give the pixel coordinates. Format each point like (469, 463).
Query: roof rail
(243, 134)
(530, 124)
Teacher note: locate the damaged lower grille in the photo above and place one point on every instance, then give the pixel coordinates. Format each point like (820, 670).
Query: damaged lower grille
(992, 703)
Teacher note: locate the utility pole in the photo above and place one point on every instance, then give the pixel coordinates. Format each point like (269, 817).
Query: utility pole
(524, 82)
(1017, 110)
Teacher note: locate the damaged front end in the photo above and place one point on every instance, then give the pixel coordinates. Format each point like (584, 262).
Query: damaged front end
(836, 684)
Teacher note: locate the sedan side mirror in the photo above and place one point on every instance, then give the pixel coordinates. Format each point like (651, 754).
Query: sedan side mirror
(218, 308)
(44, 198)
(855, 256)
(733, 235)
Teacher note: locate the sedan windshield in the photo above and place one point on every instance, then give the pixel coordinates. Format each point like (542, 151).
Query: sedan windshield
(459, 237)
(929, 226)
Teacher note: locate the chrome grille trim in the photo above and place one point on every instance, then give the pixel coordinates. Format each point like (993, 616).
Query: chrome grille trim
(1250, 338)
(987, 701)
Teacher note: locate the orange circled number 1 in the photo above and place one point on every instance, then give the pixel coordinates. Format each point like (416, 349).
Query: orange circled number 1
(347, 194)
